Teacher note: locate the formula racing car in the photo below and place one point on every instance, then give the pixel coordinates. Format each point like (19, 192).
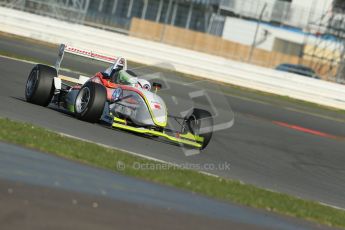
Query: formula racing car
(117, 98)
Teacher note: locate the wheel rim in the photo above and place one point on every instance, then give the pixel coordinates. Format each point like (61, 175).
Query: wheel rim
(194, 125)
(82, 100)
(31, 83)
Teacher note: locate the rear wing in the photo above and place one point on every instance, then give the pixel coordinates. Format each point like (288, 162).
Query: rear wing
(88, 54)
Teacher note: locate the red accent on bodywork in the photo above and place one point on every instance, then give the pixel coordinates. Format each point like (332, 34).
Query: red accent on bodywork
(91, 54)
(131, 88)
(157, 106)
(99, 78)
(103, 57)
(106, 82)
(76, 87)
(131, 101)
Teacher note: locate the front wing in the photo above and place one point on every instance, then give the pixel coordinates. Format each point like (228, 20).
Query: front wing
(185, 139)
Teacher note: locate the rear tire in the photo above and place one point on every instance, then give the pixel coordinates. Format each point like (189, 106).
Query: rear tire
(200, 123)
(90, 102)
(39, 87)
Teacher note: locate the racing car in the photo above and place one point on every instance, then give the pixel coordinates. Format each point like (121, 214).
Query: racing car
(117, 98)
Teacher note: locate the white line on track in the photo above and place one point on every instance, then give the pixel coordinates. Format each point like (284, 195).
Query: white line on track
(18, 59)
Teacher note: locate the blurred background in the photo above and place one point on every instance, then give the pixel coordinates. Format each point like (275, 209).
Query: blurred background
(305, 37)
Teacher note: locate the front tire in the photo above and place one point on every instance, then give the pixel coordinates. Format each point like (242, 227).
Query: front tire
(200, 123)
(90, 102)
(39, 87)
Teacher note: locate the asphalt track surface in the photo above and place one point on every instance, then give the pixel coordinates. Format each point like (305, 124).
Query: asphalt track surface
(42, 191)
(259, 151)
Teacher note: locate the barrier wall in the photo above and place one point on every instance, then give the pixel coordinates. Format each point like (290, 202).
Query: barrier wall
(206, 43)
(221, 47)
(186, 61)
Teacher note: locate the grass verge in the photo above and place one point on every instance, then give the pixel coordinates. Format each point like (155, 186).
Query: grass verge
(228, 190)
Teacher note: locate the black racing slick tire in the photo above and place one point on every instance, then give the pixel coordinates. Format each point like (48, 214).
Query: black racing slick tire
(200, 123)
(39, 87)
(90, 102)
